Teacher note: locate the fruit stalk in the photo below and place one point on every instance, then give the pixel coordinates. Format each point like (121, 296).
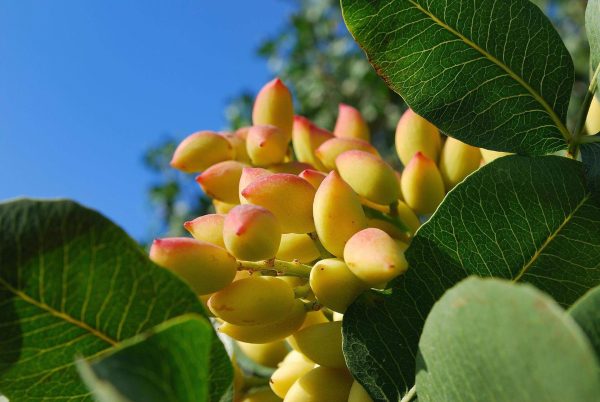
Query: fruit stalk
(290, 268)
(583, 112)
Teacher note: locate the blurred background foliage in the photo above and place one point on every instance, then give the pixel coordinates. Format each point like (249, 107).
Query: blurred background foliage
(318, 60)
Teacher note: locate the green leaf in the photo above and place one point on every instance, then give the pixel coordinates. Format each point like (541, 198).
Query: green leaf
(494, 74)
(490, 340)
(72, 284)
(586, 311)
(102, 391)
(173, 362)
(524, 219)
(590, 156)
(592, 26)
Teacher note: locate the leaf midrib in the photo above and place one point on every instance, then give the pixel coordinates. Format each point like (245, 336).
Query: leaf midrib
(557, 121)
(59, 314)
(549, 240)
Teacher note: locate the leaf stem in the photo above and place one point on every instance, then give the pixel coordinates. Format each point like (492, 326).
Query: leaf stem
(293, 268)
(410, 394)
(576, 139)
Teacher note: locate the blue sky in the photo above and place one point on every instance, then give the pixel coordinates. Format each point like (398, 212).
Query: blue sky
(87, 86)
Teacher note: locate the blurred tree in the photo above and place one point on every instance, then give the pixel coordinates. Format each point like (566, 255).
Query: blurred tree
(323, 67)
(316, 57)
(174, 195)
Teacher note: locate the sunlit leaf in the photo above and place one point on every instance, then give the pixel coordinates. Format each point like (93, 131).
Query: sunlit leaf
(491, 73)
(490, 340)
(525, 219)
(72, 284)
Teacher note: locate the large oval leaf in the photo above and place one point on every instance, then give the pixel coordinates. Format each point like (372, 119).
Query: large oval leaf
(72, 284)
(592, 26)
(179, 361)
(590, 156)
(586, 311)
(525, 219)
(490, 340)
(493, 74)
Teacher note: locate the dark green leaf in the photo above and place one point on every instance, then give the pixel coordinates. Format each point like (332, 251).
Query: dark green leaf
(491, 73)
(490, 340)
(590, 156)
(586, 311)
(72, 284)
(175, 362)
(527, 219)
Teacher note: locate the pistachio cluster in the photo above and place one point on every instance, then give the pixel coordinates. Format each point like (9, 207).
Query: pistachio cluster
(305, 221)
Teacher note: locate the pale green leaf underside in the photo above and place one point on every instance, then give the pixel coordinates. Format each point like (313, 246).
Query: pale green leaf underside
(586, 311)
(527, 219)
(491, 73)
(592, 26)
(102, 391)
(490, 340)
(171, 363)
(72, 284)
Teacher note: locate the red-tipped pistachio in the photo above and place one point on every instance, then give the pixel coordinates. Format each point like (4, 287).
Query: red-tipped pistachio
(207, 228)
(222, 207)
(221, 181)
(289, 197)
(322, 343)
(351, 124)
(457, 161)
(334, 285)
(490, 156)
(268, 332)
(249, 175)
(296, 246)
(307, 137)
(201, 150)
(204, 266)
(294, 366)
(321, 384)
(338, 213)
(293, 167)
(267, 354)
(238, 142)
(314, 177)
(592, 122)
(415, 134)
(374, 257)
(358, 393)
(273, 106)
(251, 232)
(266, 145)
(312, 318)
(422, 184)
(257, 300)
(369, 176)
(394, 231)
(331, 149)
